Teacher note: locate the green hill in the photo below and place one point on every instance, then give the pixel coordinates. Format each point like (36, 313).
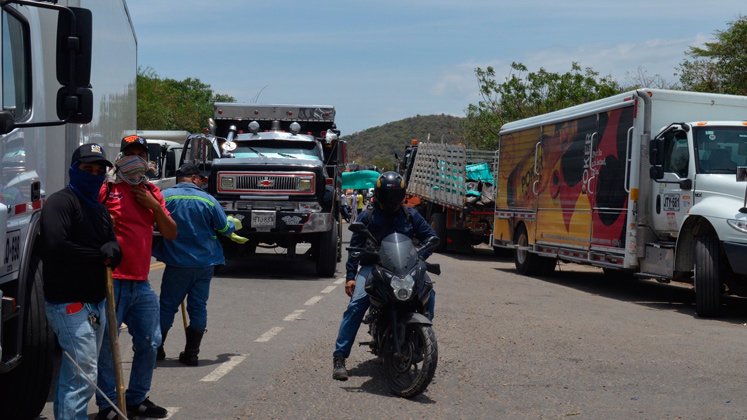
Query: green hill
(376, 146)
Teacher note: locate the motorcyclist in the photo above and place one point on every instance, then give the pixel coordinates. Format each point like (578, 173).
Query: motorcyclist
(386, 216)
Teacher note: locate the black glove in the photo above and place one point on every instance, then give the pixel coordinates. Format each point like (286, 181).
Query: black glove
(111, 253)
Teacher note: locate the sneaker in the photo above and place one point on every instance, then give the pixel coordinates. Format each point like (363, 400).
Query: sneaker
(146, 409)
(160, 353)
(107, 414)
(338, 369)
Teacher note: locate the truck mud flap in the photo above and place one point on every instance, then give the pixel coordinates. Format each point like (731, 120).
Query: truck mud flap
(458, 240)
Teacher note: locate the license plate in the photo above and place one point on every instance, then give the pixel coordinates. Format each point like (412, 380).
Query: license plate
(263, 219)
(671, 202)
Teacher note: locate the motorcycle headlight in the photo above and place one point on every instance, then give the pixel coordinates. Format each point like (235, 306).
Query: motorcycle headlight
(402, 287)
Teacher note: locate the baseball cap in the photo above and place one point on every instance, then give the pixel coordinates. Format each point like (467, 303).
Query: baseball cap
(131, 140)
(90, 153)
(189, 169)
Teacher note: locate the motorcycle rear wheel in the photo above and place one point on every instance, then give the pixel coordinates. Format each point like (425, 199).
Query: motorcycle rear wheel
(410, 373)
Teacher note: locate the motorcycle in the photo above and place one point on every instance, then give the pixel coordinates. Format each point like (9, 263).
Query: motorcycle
(398, 319)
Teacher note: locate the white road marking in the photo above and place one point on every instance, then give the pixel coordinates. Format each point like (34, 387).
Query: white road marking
(272, 332)
(328, 289)
(313, 300)
(224, 368)
(340, 281)
(294, 315)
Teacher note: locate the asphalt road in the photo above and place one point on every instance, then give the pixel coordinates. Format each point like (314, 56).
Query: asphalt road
(571, 345)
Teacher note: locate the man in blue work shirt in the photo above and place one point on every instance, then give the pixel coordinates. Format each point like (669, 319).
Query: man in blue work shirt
(387, 215)
(192, 256)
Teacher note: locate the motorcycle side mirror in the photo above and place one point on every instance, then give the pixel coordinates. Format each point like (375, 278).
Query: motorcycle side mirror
(358, 227)
(433, 268)
(430, 244)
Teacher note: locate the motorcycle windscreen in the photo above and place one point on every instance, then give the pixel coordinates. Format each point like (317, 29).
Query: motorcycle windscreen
(397, 253)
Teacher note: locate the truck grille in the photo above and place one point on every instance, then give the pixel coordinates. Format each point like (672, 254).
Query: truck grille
(266, 182)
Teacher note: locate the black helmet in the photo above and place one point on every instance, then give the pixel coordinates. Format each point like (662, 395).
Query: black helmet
(389, 191)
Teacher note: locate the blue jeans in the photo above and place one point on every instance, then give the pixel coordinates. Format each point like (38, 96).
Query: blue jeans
(81, 339)
(137, 306)
(178, 282)
(353, 316)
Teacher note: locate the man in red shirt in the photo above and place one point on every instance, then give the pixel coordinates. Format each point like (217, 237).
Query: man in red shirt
(134, 205)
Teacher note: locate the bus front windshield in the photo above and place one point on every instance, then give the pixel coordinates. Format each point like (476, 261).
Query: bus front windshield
(720, 149)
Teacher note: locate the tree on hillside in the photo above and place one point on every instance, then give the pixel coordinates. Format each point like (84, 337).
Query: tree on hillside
(718, 66)
(524, 94)
(168, 104)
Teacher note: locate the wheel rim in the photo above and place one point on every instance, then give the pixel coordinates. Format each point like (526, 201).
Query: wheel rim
(405, 370)
(521, 252)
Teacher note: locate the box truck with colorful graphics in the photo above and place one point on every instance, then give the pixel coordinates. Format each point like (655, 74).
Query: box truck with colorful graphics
(591, 184)
(452, 187)
(68, 78)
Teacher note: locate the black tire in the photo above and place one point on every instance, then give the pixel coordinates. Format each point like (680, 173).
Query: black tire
(438, 223)
(25, 388)
(409, 375)
(528, 263)
(326, 260)
(707, 277)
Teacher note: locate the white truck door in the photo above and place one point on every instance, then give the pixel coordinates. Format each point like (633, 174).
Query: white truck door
(672, 195)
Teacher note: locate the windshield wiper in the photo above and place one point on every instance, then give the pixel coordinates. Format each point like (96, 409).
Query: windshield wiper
(255, 151)
(286, 155)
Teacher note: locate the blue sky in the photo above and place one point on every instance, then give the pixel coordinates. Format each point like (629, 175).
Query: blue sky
(379, 61)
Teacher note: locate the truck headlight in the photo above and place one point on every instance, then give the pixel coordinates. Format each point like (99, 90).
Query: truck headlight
(740, 225)
(227, 182)
(304, 184)
(402, 286)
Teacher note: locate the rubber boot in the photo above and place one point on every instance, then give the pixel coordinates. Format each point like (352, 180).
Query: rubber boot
(161, 353)
(192, 347)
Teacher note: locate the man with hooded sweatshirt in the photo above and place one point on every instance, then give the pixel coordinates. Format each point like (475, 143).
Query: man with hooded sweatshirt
(79, 244)
(135, 206)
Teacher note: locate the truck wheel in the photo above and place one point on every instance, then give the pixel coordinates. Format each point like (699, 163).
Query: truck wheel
(26, 387)
(326, 261)
(528, 263)
(707, 277)
(438, 223)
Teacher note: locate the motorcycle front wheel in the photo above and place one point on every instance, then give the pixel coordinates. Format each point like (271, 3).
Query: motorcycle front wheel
(409, 373)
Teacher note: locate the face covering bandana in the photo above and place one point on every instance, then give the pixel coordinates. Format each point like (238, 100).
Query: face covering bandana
(85, 185)
(131, 169)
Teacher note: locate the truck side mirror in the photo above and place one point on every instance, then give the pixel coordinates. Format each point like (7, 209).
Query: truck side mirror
(654, 149)
(656, 172)
(74, 37)
(75, 104)
(169, 168)
(7, 123)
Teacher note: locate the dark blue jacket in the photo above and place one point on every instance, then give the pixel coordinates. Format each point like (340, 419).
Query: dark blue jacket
(406, 221)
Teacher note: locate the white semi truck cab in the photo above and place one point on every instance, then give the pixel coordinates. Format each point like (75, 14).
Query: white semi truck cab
(698, 173)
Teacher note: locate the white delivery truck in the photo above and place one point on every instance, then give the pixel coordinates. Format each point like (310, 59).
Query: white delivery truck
(647, 183)
(68, 78)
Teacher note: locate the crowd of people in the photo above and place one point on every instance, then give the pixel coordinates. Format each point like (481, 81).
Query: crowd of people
(101, 226)
(104, 220)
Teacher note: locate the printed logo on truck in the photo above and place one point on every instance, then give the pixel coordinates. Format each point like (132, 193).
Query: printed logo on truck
(573, 178)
